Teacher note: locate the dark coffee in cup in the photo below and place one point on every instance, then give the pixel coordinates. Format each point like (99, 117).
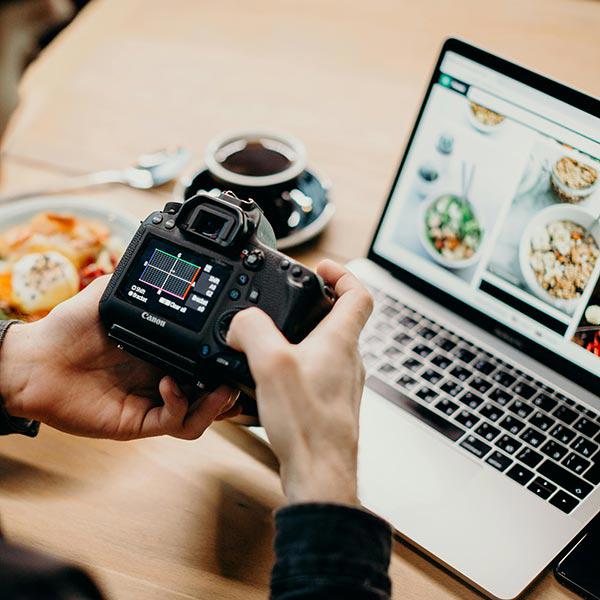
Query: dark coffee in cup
(255, 158)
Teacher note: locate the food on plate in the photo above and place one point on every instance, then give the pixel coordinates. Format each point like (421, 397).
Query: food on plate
(562, 256)
(572, 180)
(49, 259)
(592, 314)
(485, 116)
(452, 227)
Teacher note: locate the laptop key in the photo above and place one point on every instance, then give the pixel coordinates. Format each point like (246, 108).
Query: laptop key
(542, 487)
(498, 461)
(407, 321)
(533, 437)
(480, 385)
(520, 474)
(412, 364)
(565, 414)
(545, 402)
(446, 344)
(529, 457)
(389, 311)
(541, 421)
(587, 427)
(584, 447)
(563, 501)
(467, 419)
(500, 396)
(508, 444)
(460, 373)
(406, 381)
(424, 414)
(523, 389)
(432, 376)
(562, 433)
(464, 354)
(491, 412)
(427, 394)
(565, 479)
(577, 464)
(484, 366)
(422, 350)
(554, 450)
(593, 473)
(403, 338)
(475, 446)
(512, 424)
(504, 378)
(451, 388)
(387, 368)
(441, 361)
(521, 409)
(487, 432)
(447, 406)
(471, 400)
(427, 333)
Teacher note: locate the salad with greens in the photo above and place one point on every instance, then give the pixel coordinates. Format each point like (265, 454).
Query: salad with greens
(452, 227)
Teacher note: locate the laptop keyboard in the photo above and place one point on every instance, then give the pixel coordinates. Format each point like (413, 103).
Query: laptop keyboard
(494, 410)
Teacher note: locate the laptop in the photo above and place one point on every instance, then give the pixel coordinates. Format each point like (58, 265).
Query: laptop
(480, 422)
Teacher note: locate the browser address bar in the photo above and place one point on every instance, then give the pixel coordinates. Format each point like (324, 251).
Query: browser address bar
(532, 120)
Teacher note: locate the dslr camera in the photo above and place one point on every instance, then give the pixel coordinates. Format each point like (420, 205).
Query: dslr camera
(188, 270)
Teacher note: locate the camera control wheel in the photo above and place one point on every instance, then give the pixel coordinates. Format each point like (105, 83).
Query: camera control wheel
(223, 325)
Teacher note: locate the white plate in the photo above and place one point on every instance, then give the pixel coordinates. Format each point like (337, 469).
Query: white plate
(557, 212)
(121, 225)
(462, 263)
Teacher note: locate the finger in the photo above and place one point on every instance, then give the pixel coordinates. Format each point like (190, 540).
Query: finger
(353, 305)
(209, 408)
(234, 411)
(169, 417)
(253, 332)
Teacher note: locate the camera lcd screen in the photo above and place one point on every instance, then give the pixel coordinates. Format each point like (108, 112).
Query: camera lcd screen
(174, 283)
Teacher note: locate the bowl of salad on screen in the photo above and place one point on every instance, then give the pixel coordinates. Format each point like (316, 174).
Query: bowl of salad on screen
(451, 232)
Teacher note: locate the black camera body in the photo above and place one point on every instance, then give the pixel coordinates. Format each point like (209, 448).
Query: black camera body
(188, 270)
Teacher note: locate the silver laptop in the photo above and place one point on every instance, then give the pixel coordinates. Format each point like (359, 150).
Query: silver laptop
(480, 423)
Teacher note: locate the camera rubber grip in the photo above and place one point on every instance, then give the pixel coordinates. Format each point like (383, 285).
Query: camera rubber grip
(122, 263)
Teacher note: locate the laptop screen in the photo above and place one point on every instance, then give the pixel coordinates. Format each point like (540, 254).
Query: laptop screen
(494, 202)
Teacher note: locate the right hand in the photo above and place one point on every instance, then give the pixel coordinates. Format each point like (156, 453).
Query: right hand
(308, 394)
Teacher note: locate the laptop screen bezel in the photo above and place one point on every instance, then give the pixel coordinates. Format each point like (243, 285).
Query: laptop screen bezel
(560, 364)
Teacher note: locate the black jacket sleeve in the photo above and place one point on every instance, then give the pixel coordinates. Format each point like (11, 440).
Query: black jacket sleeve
(330, 551)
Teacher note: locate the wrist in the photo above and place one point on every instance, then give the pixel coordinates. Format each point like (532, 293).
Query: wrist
(327, 481)
(16, 365)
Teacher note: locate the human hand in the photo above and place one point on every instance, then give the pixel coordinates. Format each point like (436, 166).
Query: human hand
(65, 372)
(308, 394)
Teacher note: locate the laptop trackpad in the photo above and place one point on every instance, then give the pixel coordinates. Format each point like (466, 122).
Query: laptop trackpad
(404, 463)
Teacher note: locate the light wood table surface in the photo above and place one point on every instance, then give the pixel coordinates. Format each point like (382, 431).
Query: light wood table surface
(167, 519)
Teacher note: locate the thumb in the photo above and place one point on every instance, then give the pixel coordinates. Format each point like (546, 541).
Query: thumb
(253, 332)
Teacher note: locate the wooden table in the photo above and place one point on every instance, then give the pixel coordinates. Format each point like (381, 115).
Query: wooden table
(166, 519)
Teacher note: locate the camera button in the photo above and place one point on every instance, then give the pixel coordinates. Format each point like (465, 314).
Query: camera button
(284, 264)
(170, 224)
(297, 271)
(156, 219)
(243, 279)
(254, 260)
(204, 350)
(234, 294)
(253, 295)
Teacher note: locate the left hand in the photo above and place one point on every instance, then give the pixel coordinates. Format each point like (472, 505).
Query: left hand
(65, 372)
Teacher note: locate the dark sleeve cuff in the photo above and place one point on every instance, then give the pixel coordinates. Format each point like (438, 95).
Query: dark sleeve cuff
(333, 547)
